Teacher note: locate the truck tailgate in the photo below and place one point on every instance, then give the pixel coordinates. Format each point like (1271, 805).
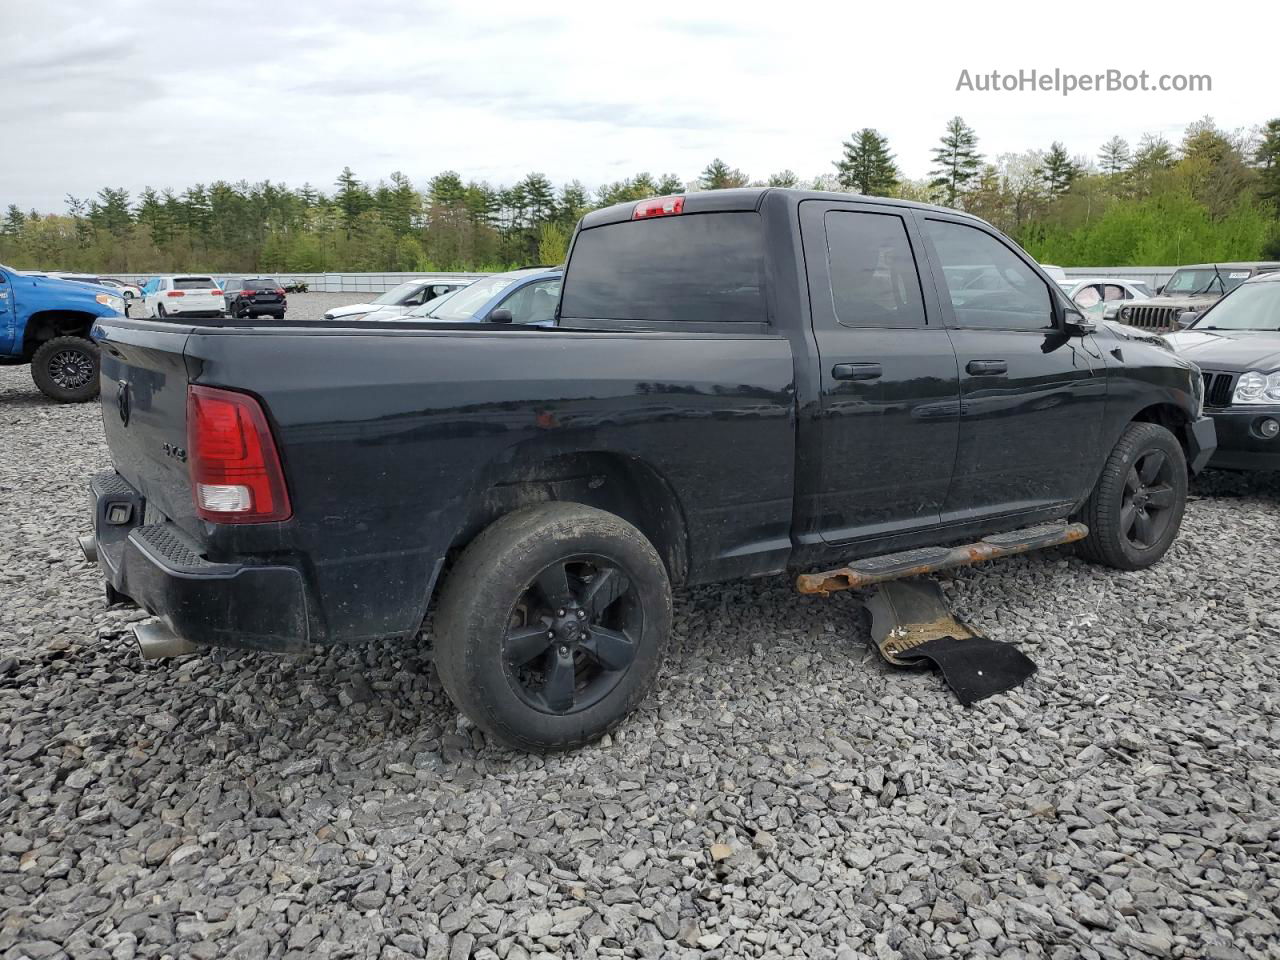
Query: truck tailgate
(144, 412)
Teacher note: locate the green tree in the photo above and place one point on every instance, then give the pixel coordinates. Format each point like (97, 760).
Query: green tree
(956, 161)
(718, 175)
(1059, 171)
(867, 166)
(14, 219)
(352, 199)
(1114, 157)
(784, 178)
(1267, 160)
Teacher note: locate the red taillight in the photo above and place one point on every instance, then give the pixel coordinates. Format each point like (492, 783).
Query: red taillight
(658, 207)
(279, 292)
(176, 293)
(235, 470)
(216, 293)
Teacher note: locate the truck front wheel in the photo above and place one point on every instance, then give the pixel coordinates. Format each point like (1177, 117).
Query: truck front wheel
(1136, 507)
(66, 369)
(553, 626)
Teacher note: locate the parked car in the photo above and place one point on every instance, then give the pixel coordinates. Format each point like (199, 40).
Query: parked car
(186, 295)
(1191, 289)
(399, 299)
(520, 296)
(1103, 296)
(254, 297)
(45, 322)
(127, 290)
(1236, 344)
(683, 419)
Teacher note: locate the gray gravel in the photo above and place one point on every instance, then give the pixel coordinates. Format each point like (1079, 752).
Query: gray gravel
(784, 794)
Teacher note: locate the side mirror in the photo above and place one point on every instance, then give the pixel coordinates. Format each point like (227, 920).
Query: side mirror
(1187, 317)
(1160, 290)
(501, 315)
(1076, 324)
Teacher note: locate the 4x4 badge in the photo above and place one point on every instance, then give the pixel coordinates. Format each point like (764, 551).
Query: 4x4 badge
(123, 402)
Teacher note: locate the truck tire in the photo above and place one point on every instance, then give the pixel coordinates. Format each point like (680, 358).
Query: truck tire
(66, 369)
(553, 626)
(1136, 507)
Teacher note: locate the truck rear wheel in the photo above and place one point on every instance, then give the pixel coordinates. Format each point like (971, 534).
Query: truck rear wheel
(66, 369)
(1136, 507)
(553, 626)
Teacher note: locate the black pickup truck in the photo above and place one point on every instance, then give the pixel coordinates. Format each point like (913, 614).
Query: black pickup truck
(738, 383)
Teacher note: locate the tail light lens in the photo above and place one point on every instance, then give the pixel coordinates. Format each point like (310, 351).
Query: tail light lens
(176, 293)
(658, 207)
(235, 468)
(279, 292)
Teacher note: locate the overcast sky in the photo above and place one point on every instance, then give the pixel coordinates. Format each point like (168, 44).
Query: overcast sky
(136, 92)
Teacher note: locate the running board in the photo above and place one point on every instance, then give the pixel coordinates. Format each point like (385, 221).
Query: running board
(913, 563)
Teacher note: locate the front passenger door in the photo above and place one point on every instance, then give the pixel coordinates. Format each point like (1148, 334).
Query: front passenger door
(1031, 397)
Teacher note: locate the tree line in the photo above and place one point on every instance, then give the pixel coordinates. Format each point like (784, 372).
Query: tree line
(1215, 195)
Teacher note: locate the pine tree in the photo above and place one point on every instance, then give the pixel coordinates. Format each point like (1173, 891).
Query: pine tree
(867, 165)
(1058, 170)
(1267, 159)
(352, 199)
(956, 161)
(719, 176)
(1153, 153)
(784, 178)
(670, 183)
(13, 221)
(1114, 156)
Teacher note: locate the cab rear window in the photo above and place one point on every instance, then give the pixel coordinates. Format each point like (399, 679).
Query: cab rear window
(693, 268)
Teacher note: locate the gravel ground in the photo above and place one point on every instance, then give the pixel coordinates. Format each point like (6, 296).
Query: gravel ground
(783, 794)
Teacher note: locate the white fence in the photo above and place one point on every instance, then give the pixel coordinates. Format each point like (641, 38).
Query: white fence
(381, 282)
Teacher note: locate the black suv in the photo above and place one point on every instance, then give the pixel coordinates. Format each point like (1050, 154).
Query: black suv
(255, 297)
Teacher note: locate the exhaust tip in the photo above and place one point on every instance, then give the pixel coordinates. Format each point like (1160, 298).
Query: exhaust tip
(89, 547)
(156, 641)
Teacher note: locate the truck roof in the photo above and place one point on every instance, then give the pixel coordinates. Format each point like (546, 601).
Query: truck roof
(751, 198)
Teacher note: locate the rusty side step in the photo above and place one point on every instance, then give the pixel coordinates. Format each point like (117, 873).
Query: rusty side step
(912, 563)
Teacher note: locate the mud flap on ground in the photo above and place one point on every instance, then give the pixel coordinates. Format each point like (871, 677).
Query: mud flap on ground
(912, 626)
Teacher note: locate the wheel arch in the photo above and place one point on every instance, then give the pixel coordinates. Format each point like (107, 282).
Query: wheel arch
(624, 485)
(48, 325)
(1168, 415)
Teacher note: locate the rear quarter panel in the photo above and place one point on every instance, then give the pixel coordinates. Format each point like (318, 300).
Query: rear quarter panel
(389, 442)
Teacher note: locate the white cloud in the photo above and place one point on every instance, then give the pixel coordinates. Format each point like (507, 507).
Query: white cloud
(149, 92)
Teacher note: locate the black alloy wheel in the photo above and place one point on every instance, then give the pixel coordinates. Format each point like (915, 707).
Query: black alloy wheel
(1148, 500)
(573, 635)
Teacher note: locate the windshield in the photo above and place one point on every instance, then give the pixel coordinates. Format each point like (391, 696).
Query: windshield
(1255, 306)
(1205, 280)
(463, 304)
(430, 305)
(398, 295)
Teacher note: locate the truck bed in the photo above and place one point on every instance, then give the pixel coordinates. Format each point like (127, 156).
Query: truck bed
(398, 441)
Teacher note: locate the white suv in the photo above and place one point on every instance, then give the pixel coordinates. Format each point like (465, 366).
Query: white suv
(184, 295)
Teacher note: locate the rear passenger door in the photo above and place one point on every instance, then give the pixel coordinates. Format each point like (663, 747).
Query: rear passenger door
(1031, 397)
(889, 386)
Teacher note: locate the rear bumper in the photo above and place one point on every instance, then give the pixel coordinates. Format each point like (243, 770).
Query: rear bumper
(1241, 444)
(261, 607)
(1202, 441)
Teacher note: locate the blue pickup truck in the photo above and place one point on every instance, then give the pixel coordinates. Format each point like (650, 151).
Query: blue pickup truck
(45, 322)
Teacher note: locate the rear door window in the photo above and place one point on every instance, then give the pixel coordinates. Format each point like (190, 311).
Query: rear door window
(874, 280)
(694, 268)
(268, 285)
(193, 283)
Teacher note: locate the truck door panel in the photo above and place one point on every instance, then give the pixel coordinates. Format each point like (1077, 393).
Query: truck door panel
(889, 391)
(1028, 392)
(8, 314)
